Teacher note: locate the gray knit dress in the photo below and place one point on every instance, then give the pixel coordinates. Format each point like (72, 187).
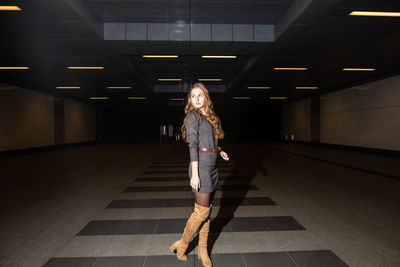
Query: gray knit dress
(202, 134)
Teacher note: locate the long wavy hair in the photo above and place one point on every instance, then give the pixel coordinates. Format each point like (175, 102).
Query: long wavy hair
(212, 118)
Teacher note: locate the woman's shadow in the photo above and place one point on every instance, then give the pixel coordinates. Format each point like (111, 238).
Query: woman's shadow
(233, 188)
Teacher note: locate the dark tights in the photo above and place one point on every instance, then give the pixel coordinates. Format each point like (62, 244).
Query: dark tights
(204, 199)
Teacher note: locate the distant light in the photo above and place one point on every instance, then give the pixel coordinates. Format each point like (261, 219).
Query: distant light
(277, 97)
(136, 97)
(119, 87)
(306, 87)
(219, 56)
(159, 56)
(177, 99)
(14, 68)
(375, 14)
(357, 69)
(68, 87)
(290, 68)
(258, 87)
(85, 68)
(241, 97)
(98, 97)
(169, 80)
(10, 8)
(209, 80)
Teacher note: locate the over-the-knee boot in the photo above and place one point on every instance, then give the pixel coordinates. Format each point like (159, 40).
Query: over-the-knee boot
(199, 214)
(202, 253)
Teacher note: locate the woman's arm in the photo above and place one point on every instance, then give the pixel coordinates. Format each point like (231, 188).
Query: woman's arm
(192, 132)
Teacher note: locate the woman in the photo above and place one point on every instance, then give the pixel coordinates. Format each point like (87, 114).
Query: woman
(201, 129)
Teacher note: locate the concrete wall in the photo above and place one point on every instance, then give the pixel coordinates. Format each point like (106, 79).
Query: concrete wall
(296, 119)
(367, 115)
(27, 120)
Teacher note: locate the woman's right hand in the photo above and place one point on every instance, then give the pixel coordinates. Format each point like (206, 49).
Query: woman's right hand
(195, 182)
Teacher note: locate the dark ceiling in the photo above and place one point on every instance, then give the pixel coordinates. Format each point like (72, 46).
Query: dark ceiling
(50, 35)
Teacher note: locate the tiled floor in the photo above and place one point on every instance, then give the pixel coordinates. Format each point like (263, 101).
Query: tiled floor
(271, 208)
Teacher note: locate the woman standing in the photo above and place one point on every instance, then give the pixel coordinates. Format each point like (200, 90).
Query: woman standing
(201, 129)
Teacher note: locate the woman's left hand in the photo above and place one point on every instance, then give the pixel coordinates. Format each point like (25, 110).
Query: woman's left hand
(224, 155)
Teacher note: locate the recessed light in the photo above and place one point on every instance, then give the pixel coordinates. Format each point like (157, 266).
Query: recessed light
(85, 68)
(241, 97)
(14, 68)
(375, 14)
(258, 87)
(306, 87)
(159, 56)
(277, 97)
(209, 80)
(169, 80)
(10, 8)
(290, 68)
(358, 69)
(98, 97)
(136, 97)
(219, 56)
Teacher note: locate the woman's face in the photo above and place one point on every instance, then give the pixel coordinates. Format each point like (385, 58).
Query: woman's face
(197, 98)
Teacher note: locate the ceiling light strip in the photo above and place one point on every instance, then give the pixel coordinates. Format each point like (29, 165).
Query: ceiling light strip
(375, 14)
(358, 69)
(209, 80)
(119, 87)
(307, 87)
(169, 80)
(219, 56)
(98, 97)
(277, 97)
(241, 97)
(14, 68)
(160, 56)
(136, 97)
(68, 87)
(85, 68)
(258, 87)
(290, 68)
(10, 8)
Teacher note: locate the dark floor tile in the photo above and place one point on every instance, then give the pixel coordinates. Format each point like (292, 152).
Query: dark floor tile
(137, 227)
(282, 223)
(268, 259)
(184, 178)
(133, 261)
(186, 171)
(259, 201)
(167, 226)
(168, 261)
(69, 262)
(224, 260)
(220, 225)
(317, 258)
(185, 202)
(247, 224)
(136, 203)
(101, 227)
(245, 187)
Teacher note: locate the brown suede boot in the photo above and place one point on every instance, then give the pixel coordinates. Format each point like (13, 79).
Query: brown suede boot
(199, 214)
(202, 253)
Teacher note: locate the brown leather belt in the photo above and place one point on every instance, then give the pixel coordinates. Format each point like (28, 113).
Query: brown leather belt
(209, 149)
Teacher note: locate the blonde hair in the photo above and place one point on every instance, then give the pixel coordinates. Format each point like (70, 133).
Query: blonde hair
(212, 118)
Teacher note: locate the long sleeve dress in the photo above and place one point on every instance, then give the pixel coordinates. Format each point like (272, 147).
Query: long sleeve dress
(202, 134)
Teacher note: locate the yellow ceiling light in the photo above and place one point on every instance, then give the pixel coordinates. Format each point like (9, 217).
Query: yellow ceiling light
(14, 68)
(119, 87)
(375, 14)
(307, 87)
(10, 8)
(169, 80)
(68, 87)
(209, 80)
(98, 97)
(136, 97)
(358, 69)
(159, 56)
(219, 56)
(177, 99)
(85, 68)
(277, 97)
(258, 87)
(290, 68)
(241, 97)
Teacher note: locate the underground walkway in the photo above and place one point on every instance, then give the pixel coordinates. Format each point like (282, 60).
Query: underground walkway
(123, 205)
